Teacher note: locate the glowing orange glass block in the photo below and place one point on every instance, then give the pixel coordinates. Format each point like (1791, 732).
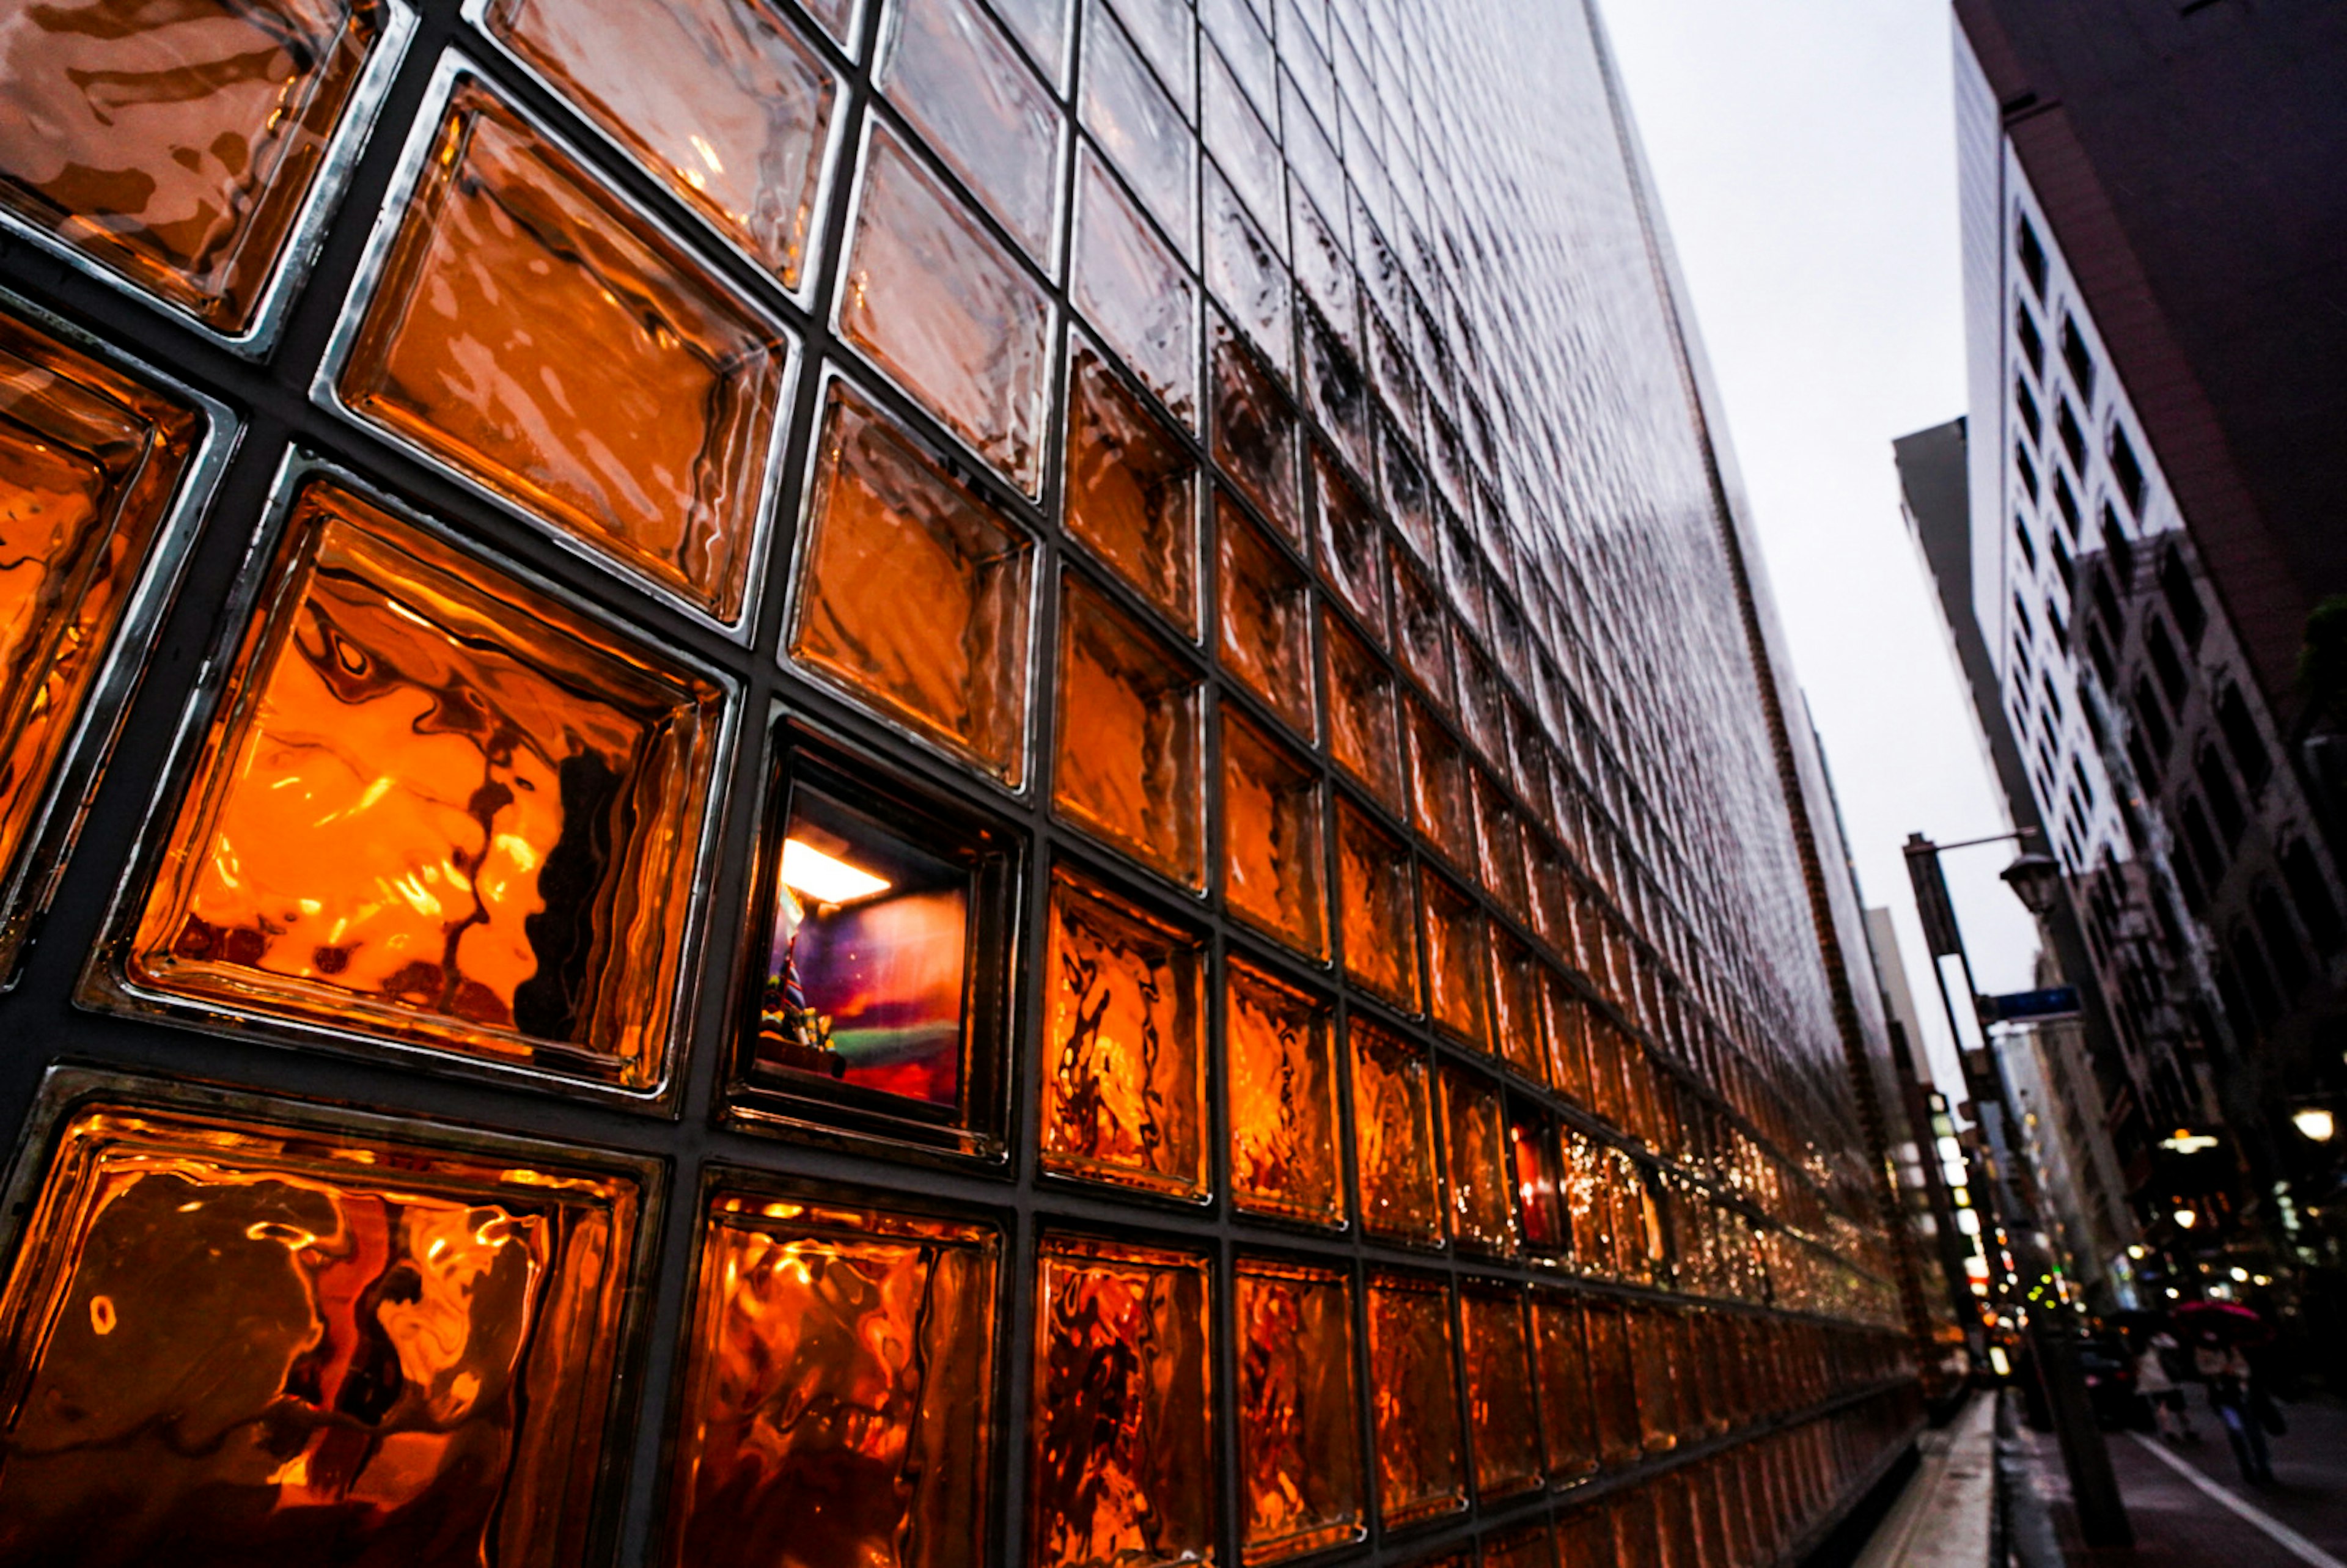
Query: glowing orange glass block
(176, 144)
(1564, 1023)
(1540, 1209)
(1589, 1211)
(1413, 1401)
(1255, 434)
(1273, 853)
(436, 807)
(1132, 492)
(1123, 1074)
(1439, 805)
(1421, 629)
(1283, 1100)
(90, 464)
(1657, 1380)
(725, 102)
(1380, 924)
(1612, 1389)
(1300, 1450)
(1364, 736)
(1517, 980)
(1122, 1462)
(1393, 1137)
(1529, 1548)
(1352, 550)
(1568, 1415)
(1503, 1423)
(887, 527)
(1456, 941)
(319, 1347)
(1128, 754)
(1584, 1538)
(534, 333)
(838, 1391)
(1500, 846)
(1266, 617)
(1475, 1169)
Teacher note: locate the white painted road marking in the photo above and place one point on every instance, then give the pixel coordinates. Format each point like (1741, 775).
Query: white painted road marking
(2291, 1540)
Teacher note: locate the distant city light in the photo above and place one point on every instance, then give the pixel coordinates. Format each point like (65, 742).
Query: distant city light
(2315, 1123)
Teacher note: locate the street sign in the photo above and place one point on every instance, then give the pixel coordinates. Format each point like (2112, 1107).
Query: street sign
(2055, 1001)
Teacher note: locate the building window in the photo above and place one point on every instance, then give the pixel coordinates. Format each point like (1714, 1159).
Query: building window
(2149, 717)
(2241, 737)
(2202, 842)
(2317, 911)
(2021, 537)
(2118, 541)
(2164, 662)
(2066, 501)
(2127, 469)
(2028, 470)
(2099, 651)
(2074, 440)
(2033, 345)
(2033, 422)
(2076, 354)
(2280, 937)
(2064, 566)
(2183, 599)
(2224, 800)
(2033, 257)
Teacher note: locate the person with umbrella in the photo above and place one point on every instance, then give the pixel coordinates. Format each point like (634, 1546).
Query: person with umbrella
(2221, 1333)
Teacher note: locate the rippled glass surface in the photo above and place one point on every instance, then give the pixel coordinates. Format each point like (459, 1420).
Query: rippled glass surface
(1255, 435)
(1242, 145)
(1656, 1377)
(1503, 1423)
(1422, 631)
(1380, 921)
(1538, 1183)
(1129, 114)
(1393, 1137)
(1244, 273)
(940, 306)
(721, 99)
(1299, 1453)
(1457, 944)
(1282, 1088)
(1351, 546)
(1413, 1403)
(838, 1393)
(1364, 728)
(1132, 488)
(1132, 290)
(1568, 1416)
(957, 80)
(1120, 1461)
(1475, 1163)
(175, 144)
(888, 526)
(434, 806)
(1265, 622)
(1129, 749)
(1124, 1068)
(1440, 807)
(1534, 1547)
(1517, 979)
(314, 1347)
(1273, 853)
(1611, 1388)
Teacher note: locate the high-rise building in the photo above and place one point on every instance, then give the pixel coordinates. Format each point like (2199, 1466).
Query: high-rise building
(927, 781)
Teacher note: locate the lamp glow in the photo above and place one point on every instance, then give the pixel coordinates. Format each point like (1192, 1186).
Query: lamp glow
(2186, 1219)
(809, 870)
(2315, 1123)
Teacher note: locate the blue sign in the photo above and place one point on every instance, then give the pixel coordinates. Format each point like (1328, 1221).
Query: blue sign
(2055, 1001)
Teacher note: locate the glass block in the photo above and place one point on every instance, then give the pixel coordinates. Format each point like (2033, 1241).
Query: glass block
(1611, 1387)
(1255, 434)
(1440, 806)
(92, 465)
(1242, 146)
(1463, 568)
(1351, 545)
(1245, 272)
(1042, 26)
(1500, 845)
(176, 146)
(941, 307)
(438, 809)
(1122, 1466)
(1374, 893)
(1456, 943)
(1393, 1137)
(1651, 1363)
(1422, 630)
(1132, 289)
(1584, 1538)
(1241, 30)
(951, 72)
(289, 1332)
(1324, 272)
(1589, 1211)
(1413, 1403)
(1516, 982)
(1129, 752)
(1502, 1424)
(1265, 619)
(1482, 704)
(1140, 128)
(838, 1391)
(533, 333)
(1364, 732)
(889, 525)
(1334, 387)
(1165, 32)
(1273, 853)
(1283, 1100)
(1475, 1164)
(725, 102)
(1568, 1415)
(1132, 488)
(1531, 1547)
(1407, 490)
(1125, 1076)
(1300, 1448)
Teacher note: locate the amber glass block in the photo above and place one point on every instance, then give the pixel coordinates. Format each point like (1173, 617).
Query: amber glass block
(90, 464)
(1266, 617)
(1421, 629)
(1611, 1388)
(1393, 1137)
(1351, 546)
(1299, 1446)
(1439, 805)
(1128, 754)
(1565, 1027)
(534, 333)
(1568, 1413)
(888, 525)
(1532, 1547)
(229, 1339)
(1123, 1074)
(837, 1402)
(1132, 490)
(724, 102)
(1503, 1422)
(940, 305)
(1380, 922)
(1413, 1401)
(1652, 1366)
(1255, 434)
(1540, 1199)
(1500, 846)
(1475, 1168)
(1123, 1467)
(1274, 857)
(1517, 980)
(437, 807)
(176, 144)
(1584, 1538)
(1283, 1100)
(1589, 1211)
(1639, 1531)
(1457, 941)
(1364, 735)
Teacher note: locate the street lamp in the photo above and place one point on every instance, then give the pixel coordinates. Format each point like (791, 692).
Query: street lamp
(2314, 1123)
(2036, 880)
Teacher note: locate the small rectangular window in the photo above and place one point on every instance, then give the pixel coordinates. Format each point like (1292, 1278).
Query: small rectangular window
(2173, 678)
(2074, 440)
(2033, 257)
(2064, 566)
(2033, 346)
(2081, 361)
(2241, 737)
(2126, 469)
(2030, 418)
(2021, 537)
(2068, 503)
(2150, 717)
(2224, 800)
(2183, 598)
(2028, 470)
(2099, 651)
(2116, 540)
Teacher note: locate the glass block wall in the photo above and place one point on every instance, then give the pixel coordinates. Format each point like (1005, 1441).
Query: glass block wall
(899, 782)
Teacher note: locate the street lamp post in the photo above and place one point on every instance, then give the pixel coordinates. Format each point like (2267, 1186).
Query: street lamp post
(2036, 879)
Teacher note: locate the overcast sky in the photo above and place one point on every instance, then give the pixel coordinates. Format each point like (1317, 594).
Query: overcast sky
(1806, 153)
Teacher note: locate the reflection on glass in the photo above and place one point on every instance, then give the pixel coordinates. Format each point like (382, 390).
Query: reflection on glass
(1611, 1388)
(1352, 548)
(435, 806)
(838, 1390)
(1130, 287)
(1255, 434)
(1568, 1418)
(1266, 616)
(1240, 143)
(1121, 1471)
(319, 1349)
(1271, 850)
(1333, 385)
(1131, 491)
(1393, 1137)
(1585, 1538)
(1502, 1423)
(719, 99)
(952, 73)
(1540, 1201)
(1438, 807)
(888, 526)
(1380, 925)
(1042, 26)
(1244, 271)
(1455, 946)
(938, 303)
(1299, 1453)
(1475, 1169)
(1565, 1026)
(531, 331)
(175, 143)
(1516, 978)
(1128, 754)
(1364, 735)
(1533, 1547)
(1413, 1403)
(1656, 1377)
(1164, 31)
(1283, 1100)
(1138, 127)
(1422, 630)
(1123, 1071)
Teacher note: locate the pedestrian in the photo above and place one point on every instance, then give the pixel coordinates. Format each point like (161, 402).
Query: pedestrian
(2232, 1395)
(2169, 1414)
